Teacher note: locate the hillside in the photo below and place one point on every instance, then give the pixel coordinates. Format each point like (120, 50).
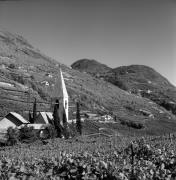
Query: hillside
(144, 82)
(26, 73)
(90, 66)
(140, 80)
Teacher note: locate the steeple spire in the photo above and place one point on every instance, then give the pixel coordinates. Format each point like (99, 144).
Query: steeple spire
(64, 90)
(60, 91)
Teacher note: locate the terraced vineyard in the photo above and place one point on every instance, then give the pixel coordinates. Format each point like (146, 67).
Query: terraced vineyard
(91, 158)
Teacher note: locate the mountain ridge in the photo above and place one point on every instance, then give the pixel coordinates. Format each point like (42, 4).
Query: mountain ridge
(141, 80)
(90, 66)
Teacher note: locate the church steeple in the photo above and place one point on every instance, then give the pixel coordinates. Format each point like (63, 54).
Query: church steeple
(64, 90)
(60, 91)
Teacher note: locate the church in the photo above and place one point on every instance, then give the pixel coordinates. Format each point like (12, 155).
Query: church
(60, 95)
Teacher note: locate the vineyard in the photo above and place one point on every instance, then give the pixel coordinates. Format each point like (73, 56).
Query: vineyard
(116, 158)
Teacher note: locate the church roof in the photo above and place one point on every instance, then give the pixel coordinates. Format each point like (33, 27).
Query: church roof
(42, 117)
(60, 90)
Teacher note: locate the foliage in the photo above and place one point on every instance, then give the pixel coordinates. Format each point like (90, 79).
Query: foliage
(19, 78)
(12, 66)
(27, 134)
(56, 118)
(34, 110)
(42, 93)
(132, 124)
(51, 130)
(30, 117)
(78, 119)
(12, 136)
(91, 158)
(72, 129)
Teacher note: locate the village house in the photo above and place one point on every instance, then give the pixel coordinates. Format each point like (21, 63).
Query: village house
(46, 83)
(106, 118)
(44, 118)
(49, 75)
(12, 119)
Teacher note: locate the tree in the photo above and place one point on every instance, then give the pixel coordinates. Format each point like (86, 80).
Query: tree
(28, 134)
(56, 118)
(34, 110)
(78, 119)
(12, 135)
(30, 118)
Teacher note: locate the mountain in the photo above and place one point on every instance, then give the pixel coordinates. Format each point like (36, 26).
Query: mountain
(92, 67)
(25, 73)
(144, 82)
(140, 80)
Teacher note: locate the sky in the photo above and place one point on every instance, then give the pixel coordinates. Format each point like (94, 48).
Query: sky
(113, 32)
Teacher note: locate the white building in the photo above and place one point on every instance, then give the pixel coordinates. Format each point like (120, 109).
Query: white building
(46, 83)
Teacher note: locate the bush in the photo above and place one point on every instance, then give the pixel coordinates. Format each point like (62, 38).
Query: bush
(132, 124)
(51, 131)
(121, 85)
(73, 130)
(78, 119)
(42, 94)
(18, 78)
(12, 136)
(12, 66)
(28, 134)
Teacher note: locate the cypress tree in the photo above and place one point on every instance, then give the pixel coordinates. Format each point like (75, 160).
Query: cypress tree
(34, 110)
(57, 118)
(30, 118)
(78, 119)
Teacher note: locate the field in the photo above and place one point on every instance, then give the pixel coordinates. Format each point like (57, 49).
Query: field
(91, 158)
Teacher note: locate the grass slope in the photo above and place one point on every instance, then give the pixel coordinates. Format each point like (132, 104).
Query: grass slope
(146, 82)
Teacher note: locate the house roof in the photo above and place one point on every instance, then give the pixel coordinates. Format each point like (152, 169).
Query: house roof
(60, 90)
(19, 117)
(12, 119)
(45, 116)
(49, 114)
